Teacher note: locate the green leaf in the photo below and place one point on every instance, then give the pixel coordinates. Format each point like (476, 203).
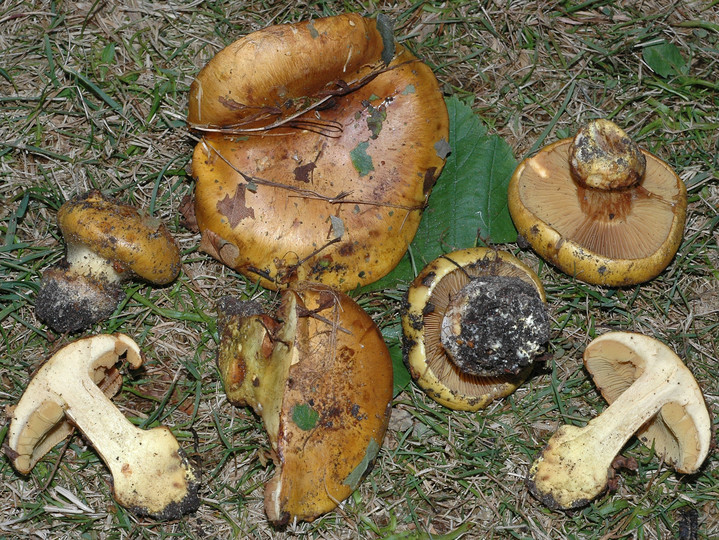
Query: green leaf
(108, 54)
(358, 473)
(361, 160)
(470, 199)
(665, 59)
(402, 379)
(468, 205)
(305, 416)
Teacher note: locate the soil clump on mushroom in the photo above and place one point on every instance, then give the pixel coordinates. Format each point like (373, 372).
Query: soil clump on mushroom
(495, 326)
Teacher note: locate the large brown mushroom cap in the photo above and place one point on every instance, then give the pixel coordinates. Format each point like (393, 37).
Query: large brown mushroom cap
(615, 238)
(320, 376)
(326, 180)
(428, 299)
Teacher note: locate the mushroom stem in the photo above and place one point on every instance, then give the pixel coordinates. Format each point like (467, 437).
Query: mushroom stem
(151, 475)
(603, 157)
(575, 465)
(83, 261)
(589, 451)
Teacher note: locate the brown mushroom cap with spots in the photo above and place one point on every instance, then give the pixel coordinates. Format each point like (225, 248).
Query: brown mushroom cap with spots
(319, 375)
(320, 143)
(599, 208)
(507, 322)
(106, 244)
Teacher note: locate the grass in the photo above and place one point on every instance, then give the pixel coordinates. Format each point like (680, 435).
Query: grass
(96, 98)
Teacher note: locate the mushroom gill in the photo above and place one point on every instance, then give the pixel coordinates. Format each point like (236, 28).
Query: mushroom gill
(437, 359)
(628, 224)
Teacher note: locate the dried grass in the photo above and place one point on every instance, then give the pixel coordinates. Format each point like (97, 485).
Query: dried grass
(94, 95)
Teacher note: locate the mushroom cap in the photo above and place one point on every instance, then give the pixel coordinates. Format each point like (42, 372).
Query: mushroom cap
(315, 163)
(605, 238)
(320, 375)
(426, 304)
(681, 431)
(134, 242)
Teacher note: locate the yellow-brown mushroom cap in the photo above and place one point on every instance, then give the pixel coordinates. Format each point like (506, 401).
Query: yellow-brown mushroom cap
(333, 194)
(422, 317)
(607, 238)
(320, 375)
(324, 463)
(131, 240)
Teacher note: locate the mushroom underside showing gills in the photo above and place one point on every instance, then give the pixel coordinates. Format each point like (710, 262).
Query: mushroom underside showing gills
(607, 213)
(319, 375)
(106, 243)
(472, 323)
(652, 395)
(151, 476)
(332, 192)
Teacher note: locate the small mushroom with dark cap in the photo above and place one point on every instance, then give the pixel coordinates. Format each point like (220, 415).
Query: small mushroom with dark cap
(473, 322)
(107, 243)
(150, 472)
(651, 394)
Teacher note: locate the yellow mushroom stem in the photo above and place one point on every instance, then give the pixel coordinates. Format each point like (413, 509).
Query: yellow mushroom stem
(150, 473)
(574, 466)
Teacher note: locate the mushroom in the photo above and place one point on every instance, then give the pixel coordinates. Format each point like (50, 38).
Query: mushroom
(472, 323)
(150, 473)
(651, 393)
(106, 244)
(320, 143)
(319, 375)
(600, 208)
